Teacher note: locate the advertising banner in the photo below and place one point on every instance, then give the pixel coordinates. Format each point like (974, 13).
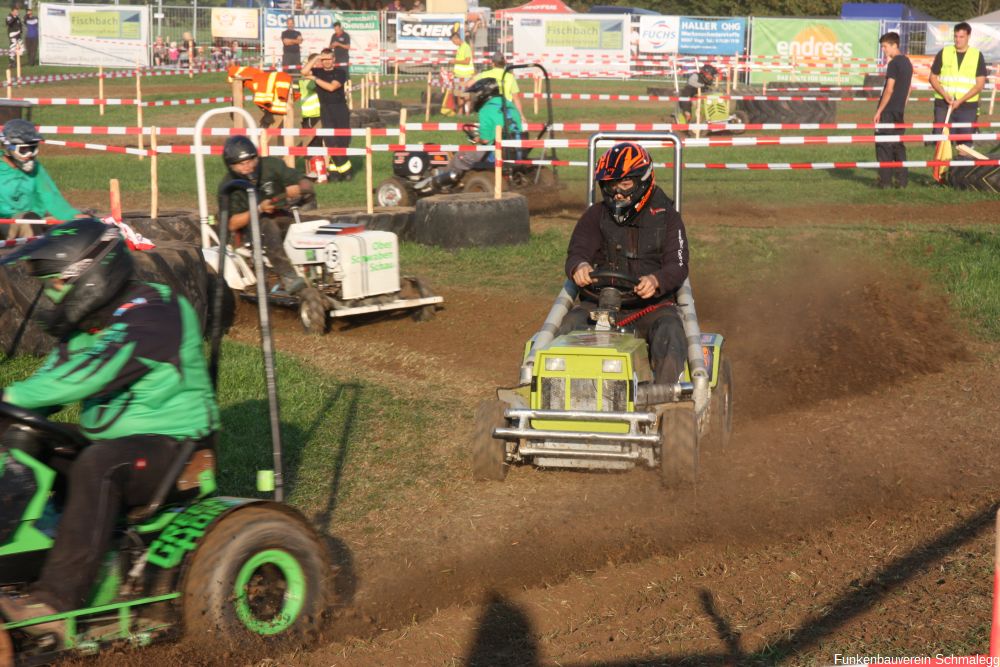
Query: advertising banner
(235, 23)
(108, 35)
(580, 41)
(428, 31)
(691, 35)
(317, 29)
(984, 36)
(816, 41)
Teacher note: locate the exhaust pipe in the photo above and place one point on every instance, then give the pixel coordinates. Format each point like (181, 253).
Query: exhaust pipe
(563, 303)
(696, 362)
(654, 394)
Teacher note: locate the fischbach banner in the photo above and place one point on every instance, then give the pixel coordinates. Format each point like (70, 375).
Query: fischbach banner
(815, 41)
(108, 35)
(235, 23)
(691, 35)
(317, 29)
(594, 42)
(428, 31)
(984, 36)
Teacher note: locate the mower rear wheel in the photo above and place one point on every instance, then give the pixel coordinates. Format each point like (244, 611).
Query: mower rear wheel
(424, 313)
(679, 448)
(739, 116)
(312, 311)
(489, 455)
(720, 415)
(393, 192)
(261, 572)
(479, 182)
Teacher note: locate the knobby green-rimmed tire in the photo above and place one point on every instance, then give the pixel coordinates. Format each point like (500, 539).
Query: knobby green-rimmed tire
(720, 414)
(679, 448)
(260, 572)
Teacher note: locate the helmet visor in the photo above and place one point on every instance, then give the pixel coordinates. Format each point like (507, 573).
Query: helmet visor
(626, 187)
(24, 151)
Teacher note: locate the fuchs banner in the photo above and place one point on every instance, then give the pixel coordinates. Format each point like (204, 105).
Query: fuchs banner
(814, 41)
(591, 42)
(108, 35)
(984, 36)
(235, 23)
(317, 29)
(428, 31)
(691, 35)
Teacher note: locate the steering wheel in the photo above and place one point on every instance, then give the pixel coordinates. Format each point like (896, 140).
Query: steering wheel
(471, 131)
(602, 278)
(65, 438)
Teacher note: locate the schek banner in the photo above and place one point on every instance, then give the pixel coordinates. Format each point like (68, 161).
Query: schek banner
(813, 41)
(108, 35)
(428, 31)
(317, 29)
(574, 40)
(691, 35)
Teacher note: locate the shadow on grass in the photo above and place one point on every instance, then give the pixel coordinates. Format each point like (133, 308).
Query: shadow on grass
(505, 637)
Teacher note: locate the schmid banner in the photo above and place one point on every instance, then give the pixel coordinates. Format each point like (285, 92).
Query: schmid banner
(428, 31)
(235, 23)
(591, 42)
(813, 41)
(108, 35)
(984, 36)
(691, 35)
(317, 29)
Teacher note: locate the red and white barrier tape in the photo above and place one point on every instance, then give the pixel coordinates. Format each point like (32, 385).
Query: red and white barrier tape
(785, 166)
(218, 131)
(680, 98)
(13, 243)
(767, 141)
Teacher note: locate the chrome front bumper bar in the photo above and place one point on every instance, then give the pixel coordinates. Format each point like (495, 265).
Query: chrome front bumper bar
(523, 431)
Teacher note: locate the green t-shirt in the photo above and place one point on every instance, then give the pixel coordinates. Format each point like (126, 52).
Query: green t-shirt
(491, 115)
(464, 53)
(274, 177)
(508, 87)
(33, 192)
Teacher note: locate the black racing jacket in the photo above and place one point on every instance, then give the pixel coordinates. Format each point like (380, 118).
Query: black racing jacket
(654, 242)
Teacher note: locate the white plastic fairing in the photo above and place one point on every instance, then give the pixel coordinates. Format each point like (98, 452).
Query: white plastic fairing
(365, 263)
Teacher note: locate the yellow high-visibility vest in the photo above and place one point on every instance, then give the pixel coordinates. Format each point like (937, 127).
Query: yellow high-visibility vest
(958, 80)
(309, 99)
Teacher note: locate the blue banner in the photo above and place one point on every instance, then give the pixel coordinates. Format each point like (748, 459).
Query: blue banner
(717, 37)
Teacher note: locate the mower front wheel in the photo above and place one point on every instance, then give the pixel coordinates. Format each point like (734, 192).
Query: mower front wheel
(720, 415)
(739, 116)
(679, 445)
(479, 182)
(312, 311)
(489, 455)
(393, 192)
(261, 572)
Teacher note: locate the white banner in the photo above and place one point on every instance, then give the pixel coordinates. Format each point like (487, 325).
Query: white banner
(235, 23)
(574, 42)
(108, 35)
(317, 29)
(428, 31)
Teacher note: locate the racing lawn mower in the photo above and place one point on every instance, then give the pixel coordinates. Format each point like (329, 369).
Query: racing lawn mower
(191, 561)
(587, 399)
(350, 270)
(410, 168)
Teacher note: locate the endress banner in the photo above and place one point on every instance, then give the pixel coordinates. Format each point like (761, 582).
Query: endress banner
(112, 36)
(985, 37)
(813, 41)
(428, 31)
(569, 40)
(235, 23)
(317, 29)
(691, 35)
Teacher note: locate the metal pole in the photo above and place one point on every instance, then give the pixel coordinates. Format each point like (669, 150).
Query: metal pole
(194, 28)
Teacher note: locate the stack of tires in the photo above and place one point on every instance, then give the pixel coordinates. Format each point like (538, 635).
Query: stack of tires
(784, 111)
(979, 179)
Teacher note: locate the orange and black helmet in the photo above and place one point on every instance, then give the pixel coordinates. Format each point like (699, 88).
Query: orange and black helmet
(627, 160)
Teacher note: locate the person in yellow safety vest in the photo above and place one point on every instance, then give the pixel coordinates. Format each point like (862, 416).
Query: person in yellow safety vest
(271, 90)
(309, 108)
(958, 74)
(508, 87)
(463, 68)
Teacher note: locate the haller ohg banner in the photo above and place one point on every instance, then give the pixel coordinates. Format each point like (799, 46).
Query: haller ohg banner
(92, 35)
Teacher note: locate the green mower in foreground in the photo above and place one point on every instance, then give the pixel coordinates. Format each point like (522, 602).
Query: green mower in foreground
(190, 562)
(587, 399)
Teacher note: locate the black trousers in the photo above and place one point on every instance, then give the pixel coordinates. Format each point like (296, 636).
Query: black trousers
(891, 151)
(272, 234)
(337, 116)
(966, 113)
(662, 329)
(106, 478)
(31, 46)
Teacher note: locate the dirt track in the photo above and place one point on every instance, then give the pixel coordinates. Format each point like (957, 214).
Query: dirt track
(864, 429)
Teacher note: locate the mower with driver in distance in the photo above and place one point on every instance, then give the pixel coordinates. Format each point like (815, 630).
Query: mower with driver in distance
(410, 169)
(587, 399)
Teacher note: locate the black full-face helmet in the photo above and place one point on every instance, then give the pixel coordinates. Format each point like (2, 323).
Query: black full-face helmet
(239, 149)
(90, 257)
(20, 141)
(708, 74)
(481, 91)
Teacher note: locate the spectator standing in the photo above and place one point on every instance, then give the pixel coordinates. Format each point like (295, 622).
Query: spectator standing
(291, 40)
(892, 104)
(161, 53)
(31, 36)
(462, 68)
(14, 32)
(418, 7)
(340, 43)
(189, 49)
(508, 87)
(309, 106)
(333, 112)
(173, 53)
(958, 74)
